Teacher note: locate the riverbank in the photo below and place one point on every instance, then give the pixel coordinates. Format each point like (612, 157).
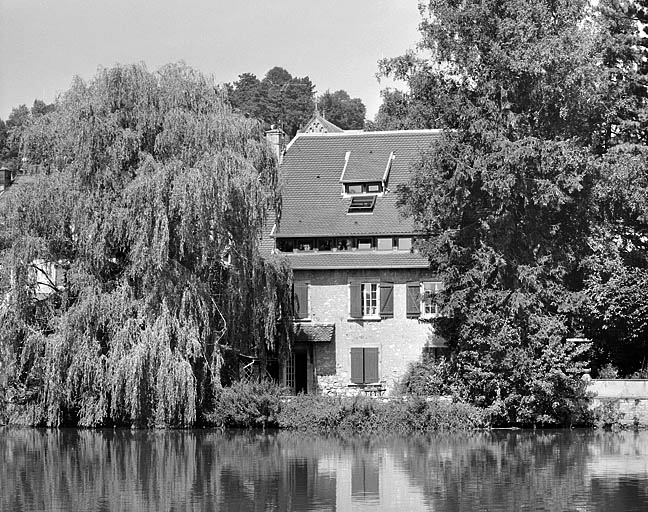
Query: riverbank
(254, 405)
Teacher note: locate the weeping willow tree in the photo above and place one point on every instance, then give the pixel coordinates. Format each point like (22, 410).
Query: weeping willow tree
(151, 194)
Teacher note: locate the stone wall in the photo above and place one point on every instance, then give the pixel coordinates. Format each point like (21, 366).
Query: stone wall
(623, 399)
(400, 340)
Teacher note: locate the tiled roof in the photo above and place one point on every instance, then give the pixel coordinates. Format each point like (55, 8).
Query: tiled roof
(318, 124)
(312, 201)
(367, 164)
(355, 259)
(314, 333)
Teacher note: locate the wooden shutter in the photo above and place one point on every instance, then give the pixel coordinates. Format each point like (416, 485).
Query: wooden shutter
(387, 300)
(59, 273)
(355, 295)
(300, 300)
(413, 299)
(357, 365)
(371, 365)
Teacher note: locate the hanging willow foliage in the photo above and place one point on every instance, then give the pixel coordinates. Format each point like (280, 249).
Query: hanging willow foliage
(153, 195)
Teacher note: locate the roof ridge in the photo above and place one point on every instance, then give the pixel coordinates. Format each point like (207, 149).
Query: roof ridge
(430, 131)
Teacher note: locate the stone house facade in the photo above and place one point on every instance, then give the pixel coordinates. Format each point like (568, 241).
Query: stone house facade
(363, 295)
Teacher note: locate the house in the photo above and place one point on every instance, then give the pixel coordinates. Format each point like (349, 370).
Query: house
(363, 295)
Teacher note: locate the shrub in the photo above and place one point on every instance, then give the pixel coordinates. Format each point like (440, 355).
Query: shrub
(247, 404)
(362, 415)
(426, 378)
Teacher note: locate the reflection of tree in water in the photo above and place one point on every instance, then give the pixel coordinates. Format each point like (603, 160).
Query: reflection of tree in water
(544, 470)
(161, 471)
(206, 470)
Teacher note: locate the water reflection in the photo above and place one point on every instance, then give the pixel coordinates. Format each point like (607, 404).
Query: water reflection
(116, 470)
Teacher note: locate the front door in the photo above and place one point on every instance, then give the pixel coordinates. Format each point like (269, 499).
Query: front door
(301, 371)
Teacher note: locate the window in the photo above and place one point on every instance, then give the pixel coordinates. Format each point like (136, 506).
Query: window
(371, 300)
(413, 299)
(363, 188)
(404, 244)
(429, 306)
(385, 244)
(362, 204)
(364, 365)
(300, 300)
(305, 245)
(324, 244)
(365, 244)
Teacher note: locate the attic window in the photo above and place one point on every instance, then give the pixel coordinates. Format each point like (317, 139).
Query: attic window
(363, 188)
(362, 204)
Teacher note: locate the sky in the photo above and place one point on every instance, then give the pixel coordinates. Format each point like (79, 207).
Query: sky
(337, 43)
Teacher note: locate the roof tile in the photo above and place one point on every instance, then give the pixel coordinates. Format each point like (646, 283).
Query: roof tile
(312, 199)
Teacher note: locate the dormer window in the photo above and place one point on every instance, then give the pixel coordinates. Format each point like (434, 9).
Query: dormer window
(362, 204)
(354, 189)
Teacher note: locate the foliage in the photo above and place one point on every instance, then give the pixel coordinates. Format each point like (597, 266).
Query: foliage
(365, 416)
(540, 105)
(279, 99)
(151, 194)
(402, 111)
(342, 110)
(426, 378)
(246, 404)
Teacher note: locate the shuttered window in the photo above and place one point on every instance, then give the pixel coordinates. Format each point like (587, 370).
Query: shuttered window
(413, 299)
(355, 296)
(371, 300)
(387, 300)
(364, 365)
(300, 300)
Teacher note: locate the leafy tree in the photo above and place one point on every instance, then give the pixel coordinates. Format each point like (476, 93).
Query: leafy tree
(40, 108)
(279, 99)
(148, 186)
(401, 111)
(341, 110)
(531, 107)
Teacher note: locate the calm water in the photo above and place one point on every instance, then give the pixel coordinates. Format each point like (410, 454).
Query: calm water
(78, 470)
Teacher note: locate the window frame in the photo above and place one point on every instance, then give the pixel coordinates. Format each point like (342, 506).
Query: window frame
(374, 358)
(307, 317)
(429, 302)
(370, 299)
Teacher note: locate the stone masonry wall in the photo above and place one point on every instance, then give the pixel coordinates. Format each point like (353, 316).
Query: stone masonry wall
(399, 340)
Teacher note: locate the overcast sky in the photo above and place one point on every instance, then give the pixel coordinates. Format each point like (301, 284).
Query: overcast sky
(337, 43)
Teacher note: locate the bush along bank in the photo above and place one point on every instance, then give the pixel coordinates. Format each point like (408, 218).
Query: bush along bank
(264, 405)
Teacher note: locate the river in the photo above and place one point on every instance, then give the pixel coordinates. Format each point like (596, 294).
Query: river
(196, 470)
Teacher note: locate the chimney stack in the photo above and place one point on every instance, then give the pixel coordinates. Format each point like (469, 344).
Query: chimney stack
(277, 140)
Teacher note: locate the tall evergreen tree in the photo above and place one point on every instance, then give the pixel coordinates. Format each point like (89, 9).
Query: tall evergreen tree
(529, 103)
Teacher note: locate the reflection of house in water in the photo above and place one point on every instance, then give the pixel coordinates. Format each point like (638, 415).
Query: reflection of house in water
(617, 470)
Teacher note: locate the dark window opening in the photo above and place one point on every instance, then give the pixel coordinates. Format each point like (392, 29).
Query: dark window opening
(362, 204)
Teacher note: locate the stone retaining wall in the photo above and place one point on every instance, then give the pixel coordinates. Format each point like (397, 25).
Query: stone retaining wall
(625, 400)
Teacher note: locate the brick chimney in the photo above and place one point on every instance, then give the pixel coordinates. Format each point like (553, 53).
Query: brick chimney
(277, 140)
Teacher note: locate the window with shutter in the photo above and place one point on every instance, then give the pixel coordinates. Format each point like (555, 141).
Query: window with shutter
(300, 300)
(357, 365)
(370, 365)
(413, 299)
(364, 365)
(429, 306)
(355, 297)
(387, 300)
